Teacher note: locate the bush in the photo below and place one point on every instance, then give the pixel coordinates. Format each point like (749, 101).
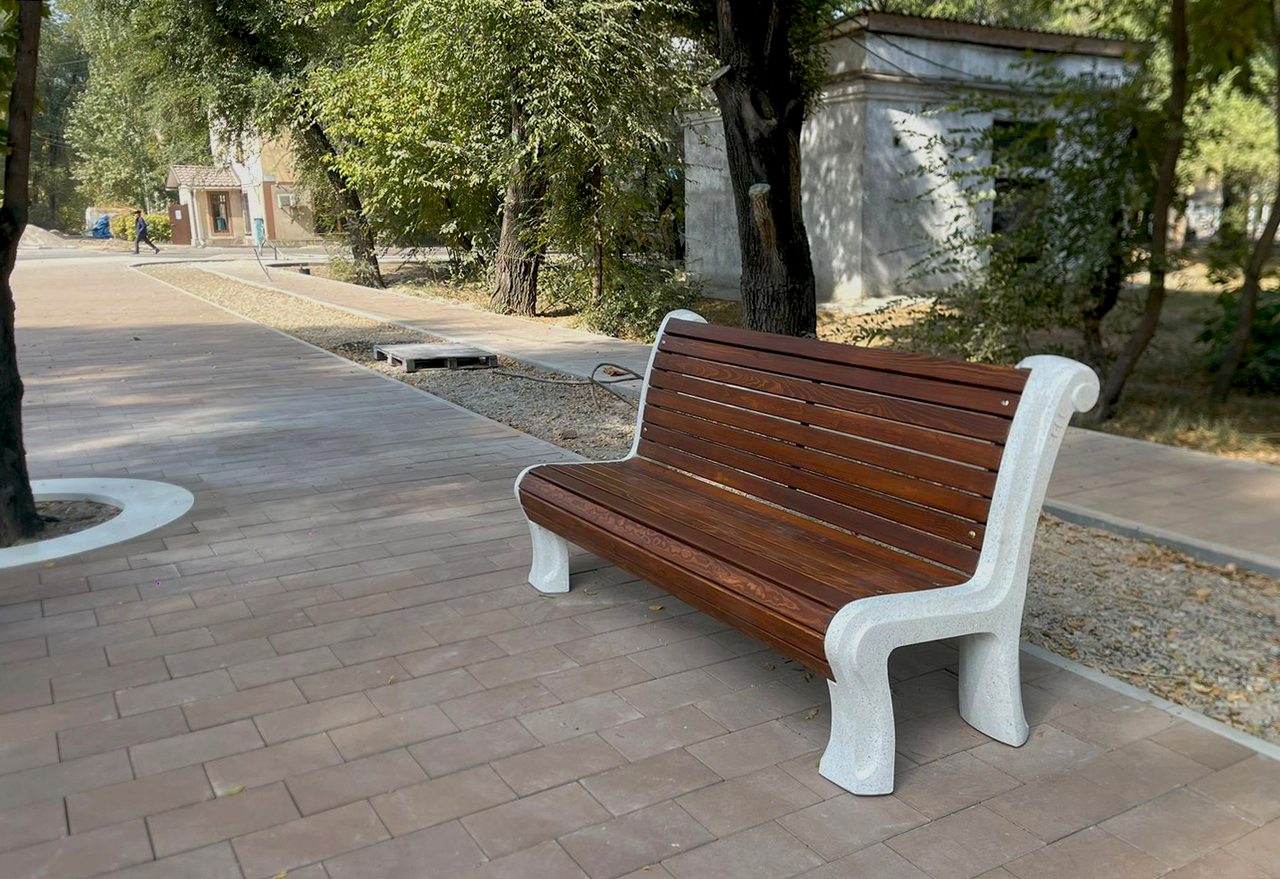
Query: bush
(637, 295)
(1259, 371)
(122, 226)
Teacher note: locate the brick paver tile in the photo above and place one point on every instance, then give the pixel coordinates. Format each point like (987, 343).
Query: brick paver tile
(239, 705)
(588, 680)
(846, 823)
(352, 679)
(33, 722)
(381, 646)
(61, 779)
(19, 693)
(335, 786)
(1088, 853)
(274, 763)
(447, 656)
(1115, 723)
(750, 749)
(108, 680)
(653, 735)
(1178, 827)
(545, 861)
(1220, 865)
(417, 692)
(1261, 848)
(392, 731)
(294, 722)
(878, 861)
(161, 645)
(746, 801)
(200, 617)
(442, 799)
(29, 825)
(314, 838)
(98, 636)
(573, 719)
(1048, 750)
(682, 656)
(663, 694)
(1057, 805)
(319, 636)
(180, 691)
(136, 610)
(195, 747)
(765, 852)
(498, 704)
(1141, 771)
(480, 744)
(758, 704)
(107, 735)
(965, 844)
(951, 784)
(1250, 787)
(117, 803)
(82, 855)
(213, 862)
(221, 656)
(632, 841)
(350, 608)
(521, 667)
(1202, 745)
(259, 627)
(556, 764)
(525, 822)
(530, 638)
(282, 668)
(194, 826)
(442, 852)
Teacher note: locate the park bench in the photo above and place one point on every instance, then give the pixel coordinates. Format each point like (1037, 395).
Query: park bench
(834, 502)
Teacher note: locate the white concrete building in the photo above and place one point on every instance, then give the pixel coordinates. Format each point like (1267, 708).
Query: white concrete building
(867, 225)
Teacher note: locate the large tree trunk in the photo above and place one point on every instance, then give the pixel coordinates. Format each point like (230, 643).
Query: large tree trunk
(18, 517)
(1166, 185)
(762, 108)
(520, 245)
(1252, 274)
(354, 222)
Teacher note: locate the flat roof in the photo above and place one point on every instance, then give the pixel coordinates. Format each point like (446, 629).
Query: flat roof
(966, 32)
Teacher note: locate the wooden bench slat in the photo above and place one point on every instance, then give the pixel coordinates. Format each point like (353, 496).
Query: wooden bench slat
(928, 415)
(902, 461)
(962, 449)
(985, 375)
(925, 390)
(859, 520)
(949, 500)
(803, 545)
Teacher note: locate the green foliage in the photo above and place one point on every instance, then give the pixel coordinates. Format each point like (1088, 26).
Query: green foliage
(640, 294)
(1259, 371)
(158, 226)
(56, 202)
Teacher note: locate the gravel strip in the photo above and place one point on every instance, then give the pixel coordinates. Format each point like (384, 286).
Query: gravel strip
(1199, 635)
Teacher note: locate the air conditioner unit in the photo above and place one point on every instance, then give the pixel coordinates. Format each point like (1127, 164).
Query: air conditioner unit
(286, 199)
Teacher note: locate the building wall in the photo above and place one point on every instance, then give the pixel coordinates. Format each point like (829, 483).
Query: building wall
(868, 224)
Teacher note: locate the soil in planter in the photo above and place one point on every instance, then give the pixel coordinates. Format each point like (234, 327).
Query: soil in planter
(67, 517)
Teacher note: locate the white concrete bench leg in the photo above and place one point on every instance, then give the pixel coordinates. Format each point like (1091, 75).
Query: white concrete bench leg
(860, 753)
(991, 686)
(550, 569)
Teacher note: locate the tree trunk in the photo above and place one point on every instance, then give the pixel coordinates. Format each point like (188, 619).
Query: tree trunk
(520, 248)
(18, 517)
(762, 109)
(1234, 353)
(350, 208)
(597, 235)
(1166, 184)
(1106, 289)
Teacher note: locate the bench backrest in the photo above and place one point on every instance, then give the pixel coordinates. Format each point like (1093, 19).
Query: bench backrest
(898, 448)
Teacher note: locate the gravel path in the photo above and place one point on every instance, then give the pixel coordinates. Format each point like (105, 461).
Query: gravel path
(1198, 635)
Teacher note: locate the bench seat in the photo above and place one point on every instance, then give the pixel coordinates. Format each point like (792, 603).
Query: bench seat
(835, 503)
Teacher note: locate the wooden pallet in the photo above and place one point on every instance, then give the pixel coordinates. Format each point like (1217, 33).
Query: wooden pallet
(415, 356)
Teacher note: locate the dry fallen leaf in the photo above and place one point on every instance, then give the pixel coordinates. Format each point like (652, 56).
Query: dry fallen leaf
(811, 715)
(281, 874)
(239, 788)
(655, 607)
(1201, 688)
(391, 680)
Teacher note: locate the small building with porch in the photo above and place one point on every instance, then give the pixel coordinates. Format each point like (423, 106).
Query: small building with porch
(890, 79)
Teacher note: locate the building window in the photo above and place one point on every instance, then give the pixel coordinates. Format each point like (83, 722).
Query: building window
(218, 207)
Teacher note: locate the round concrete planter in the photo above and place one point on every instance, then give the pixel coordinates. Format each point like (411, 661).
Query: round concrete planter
(144, 506)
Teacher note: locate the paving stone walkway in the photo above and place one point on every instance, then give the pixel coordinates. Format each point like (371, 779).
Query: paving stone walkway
(332, 667)
(1218, 508)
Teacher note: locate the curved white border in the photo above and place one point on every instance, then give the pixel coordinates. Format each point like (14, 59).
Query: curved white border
(144, 506)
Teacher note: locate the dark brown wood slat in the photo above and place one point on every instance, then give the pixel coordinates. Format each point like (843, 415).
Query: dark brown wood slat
(676, 567)
(930, 546)
(984, 375)
(902, 487)
(803, 645)
(811, 549)
(823, 584)
(948, 473)
(965, 397)
(702, 454)
(964, 450)
(970, 424)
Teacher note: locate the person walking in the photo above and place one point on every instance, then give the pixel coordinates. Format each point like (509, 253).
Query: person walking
(142, 233)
